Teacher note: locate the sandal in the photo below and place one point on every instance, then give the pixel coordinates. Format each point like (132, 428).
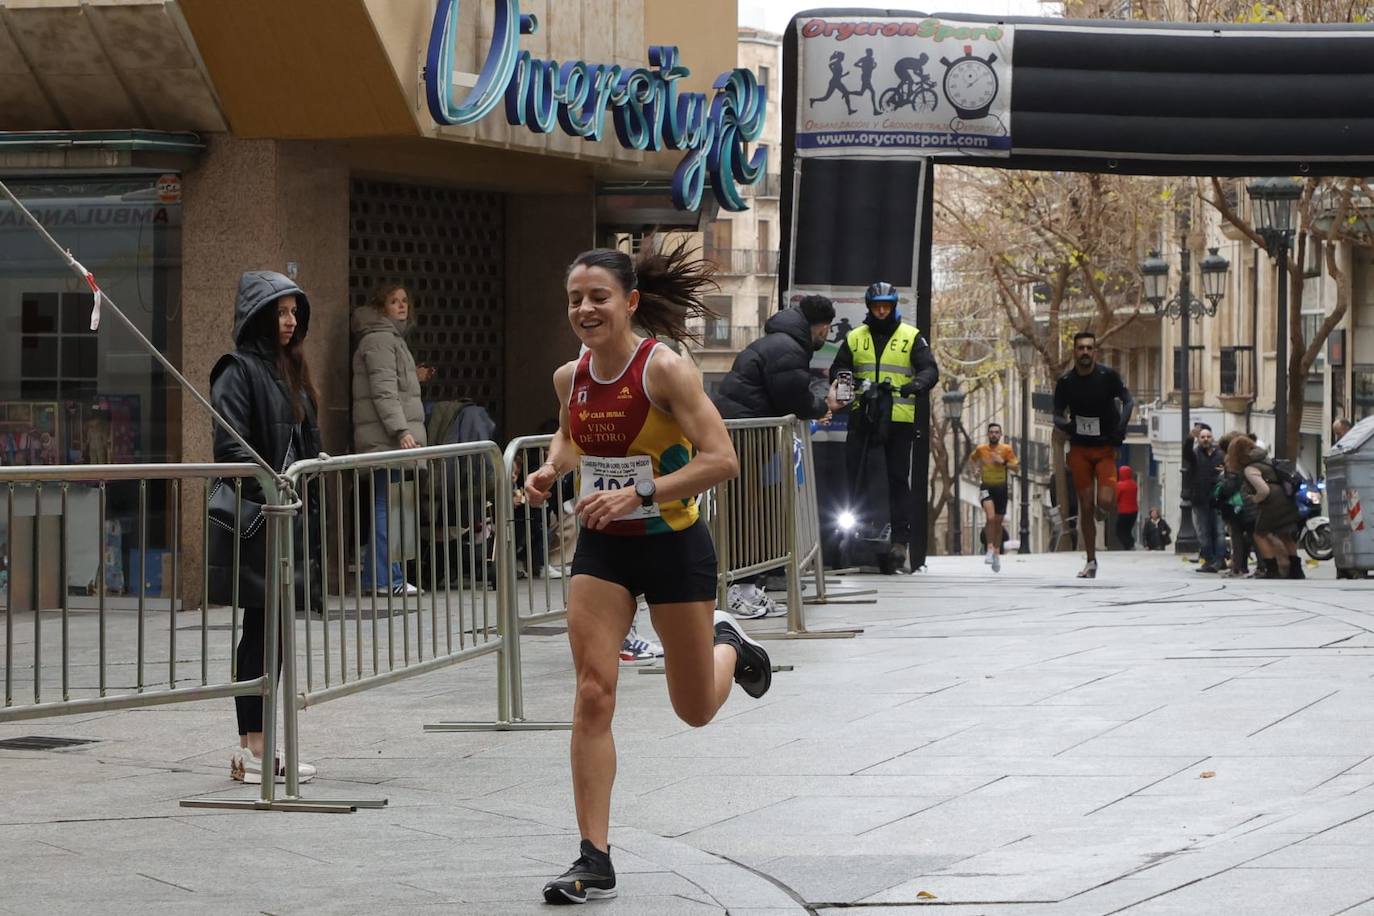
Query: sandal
(1089, 571)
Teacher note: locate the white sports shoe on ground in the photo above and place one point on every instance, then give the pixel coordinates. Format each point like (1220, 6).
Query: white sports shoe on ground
(248, 769)
(744, 608)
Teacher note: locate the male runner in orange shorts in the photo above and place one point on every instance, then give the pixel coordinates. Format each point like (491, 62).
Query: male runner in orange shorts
(994, 458)
(1091, 410)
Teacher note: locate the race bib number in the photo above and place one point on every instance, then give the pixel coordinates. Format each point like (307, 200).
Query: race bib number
(1088, 426)
(599, 475)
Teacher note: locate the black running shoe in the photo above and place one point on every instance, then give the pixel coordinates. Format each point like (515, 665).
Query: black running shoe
(753, 668)
(590, 878)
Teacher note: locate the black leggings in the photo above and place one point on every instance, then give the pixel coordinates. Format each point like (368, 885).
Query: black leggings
(249, 656)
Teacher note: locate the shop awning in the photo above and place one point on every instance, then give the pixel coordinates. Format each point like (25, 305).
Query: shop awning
(75, 65)
(98, 150)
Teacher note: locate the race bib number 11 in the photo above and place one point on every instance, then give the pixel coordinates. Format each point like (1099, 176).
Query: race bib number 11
(1088, 426)
(599, 475)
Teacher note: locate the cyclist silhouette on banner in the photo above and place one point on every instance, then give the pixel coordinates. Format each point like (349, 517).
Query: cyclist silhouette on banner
(837, 75)
(914, 87)
(866, 65)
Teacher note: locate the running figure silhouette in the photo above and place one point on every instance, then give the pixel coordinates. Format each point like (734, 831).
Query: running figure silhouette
(837, 75)
(914, 87)
(866, 65)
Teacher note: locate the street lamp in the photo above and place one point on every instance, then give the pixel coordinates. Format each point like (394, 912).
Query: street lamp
(1189, 308)
(1025, 354)
(1274, 199)
(954, 409)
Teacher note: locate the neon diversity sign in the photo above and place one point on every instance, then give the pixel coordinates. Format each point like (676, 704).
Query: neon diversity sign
(647, 110)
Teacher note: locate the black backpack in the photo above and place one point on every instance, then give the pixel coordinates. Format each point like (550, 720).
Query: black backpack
(1289, 479)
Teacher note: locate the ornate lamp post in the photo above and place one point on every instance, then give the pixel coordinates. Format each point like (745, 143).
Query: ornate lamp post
(954, 409)
(1189, 308)
(1025, 355)
(1273, 199)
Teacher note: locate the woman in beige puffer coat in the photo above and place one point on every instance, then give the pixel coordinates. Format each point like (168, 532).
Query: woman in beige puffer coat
(387, 412)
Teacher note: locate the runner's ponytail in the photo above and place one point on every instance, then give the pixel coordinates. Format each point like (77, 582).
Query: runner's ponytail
(671, 284)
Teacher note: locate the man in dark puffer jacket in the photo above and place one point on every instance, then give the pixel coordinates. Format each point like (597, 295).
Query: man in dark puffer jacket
(772, 376)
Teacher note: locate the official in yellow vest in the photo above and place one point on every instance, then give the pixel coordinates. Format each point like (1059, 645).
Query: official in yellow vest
(883, 349)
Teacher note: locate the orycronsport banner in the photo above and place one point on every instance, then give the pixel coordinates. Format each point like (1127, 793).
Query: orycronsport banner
(884, 86)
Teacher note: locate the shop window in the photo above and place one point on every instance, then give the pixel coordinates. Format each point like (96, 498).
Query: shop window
(1362, 392)
(68, 394)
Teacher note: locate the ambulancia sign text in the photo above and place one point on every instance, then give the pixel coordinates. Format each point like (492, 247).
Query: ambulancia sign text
(646, 109)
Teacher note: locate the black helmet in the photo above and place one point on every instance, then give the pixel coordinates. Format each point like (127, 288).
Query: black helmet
(881, 292)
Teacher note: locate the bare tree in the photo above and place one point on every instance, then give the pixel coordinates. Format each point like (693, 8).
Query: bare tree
(1075, 237)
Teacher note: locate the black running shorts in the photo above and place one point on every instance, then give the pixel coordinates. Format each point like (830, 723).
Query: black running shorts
(998, 495)
(668, 568)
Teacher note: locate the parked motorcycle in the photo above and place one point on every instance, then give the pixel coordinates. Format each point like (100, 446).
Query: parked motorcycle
(1315, 537)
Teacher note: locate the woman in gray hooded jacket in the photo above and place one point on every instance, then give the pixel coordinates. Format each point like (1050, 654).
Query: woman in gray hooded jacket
(387, 413)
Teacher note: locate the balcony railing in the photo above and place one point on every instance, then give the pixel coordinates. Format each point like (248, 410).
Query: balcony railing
(1237, 371)
(743, 261)
(724, 338)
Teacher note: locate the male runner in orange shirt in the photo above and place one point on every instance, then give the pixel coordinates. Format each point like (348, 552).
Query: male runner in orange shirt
(994, 458)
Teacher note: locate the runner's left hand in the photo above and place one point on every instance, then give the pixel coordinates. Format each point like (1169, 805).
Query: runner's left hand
(600, 509)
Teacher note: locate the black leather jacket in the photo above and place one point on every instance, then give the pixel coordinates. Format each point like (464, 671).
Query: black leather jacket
(247, 390)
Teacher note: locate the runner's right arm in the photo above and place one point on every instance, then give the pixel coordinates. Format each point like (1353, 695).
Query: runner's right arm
(1061, 405)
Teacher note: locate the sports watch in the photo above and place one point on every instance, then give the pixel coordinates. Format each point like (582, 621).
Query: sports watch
(645, 490)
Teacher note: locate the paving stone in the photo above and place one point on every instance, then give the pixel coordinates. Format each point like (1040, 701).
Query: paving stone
(992, 740)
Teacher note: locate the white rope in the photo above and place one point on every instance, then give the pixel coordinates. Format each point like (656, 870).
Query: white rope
(103, 297)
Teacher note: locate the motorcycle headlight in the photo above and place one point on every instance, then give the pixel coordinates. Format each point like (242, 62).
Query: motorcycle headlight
(1314, 497)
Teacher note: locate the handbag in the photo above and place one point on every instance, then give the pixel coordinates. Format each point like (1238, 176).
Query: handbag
(252, 526)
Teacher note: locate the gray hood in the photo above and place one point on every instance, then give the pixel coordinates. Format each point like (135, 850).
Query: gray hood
(257, 290)
(369, 320)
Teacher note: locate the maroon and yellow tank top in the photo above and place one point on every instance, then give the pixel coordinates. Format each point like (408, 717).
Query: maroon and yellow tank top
(622, 436)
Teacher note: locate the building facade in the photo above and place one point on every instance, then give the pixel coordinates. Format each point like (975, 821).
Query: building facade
(744, 245)
(173, 145)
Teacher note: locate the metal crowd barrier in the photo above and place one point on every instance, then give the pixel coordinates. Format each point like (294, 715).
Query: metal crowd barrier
(767, 518)
(809, 559)
(122, 644)
(453, 522)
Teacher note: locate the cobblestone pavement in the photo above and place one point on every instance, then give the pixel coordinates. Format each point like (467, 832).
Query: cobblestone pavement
(1154, 741)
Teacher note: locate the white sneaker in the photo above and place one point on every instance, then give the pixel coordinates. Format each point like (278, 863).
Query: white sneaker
(770, 607)
(996, 562)
(742, 607)
(987, 558)
(248, 769)
(640, 646)
(404, 589)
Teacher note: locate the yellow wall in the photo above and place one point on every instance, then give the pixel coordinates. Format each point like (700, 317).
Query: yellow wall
(704, 30)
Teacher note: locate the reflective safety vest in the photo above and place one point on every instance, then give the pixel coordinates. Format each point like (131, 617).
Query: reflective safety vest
(894, 366)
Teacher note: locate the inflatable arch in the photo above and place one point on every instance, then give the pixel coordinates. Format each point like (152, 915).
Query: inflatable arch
(873, 97)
